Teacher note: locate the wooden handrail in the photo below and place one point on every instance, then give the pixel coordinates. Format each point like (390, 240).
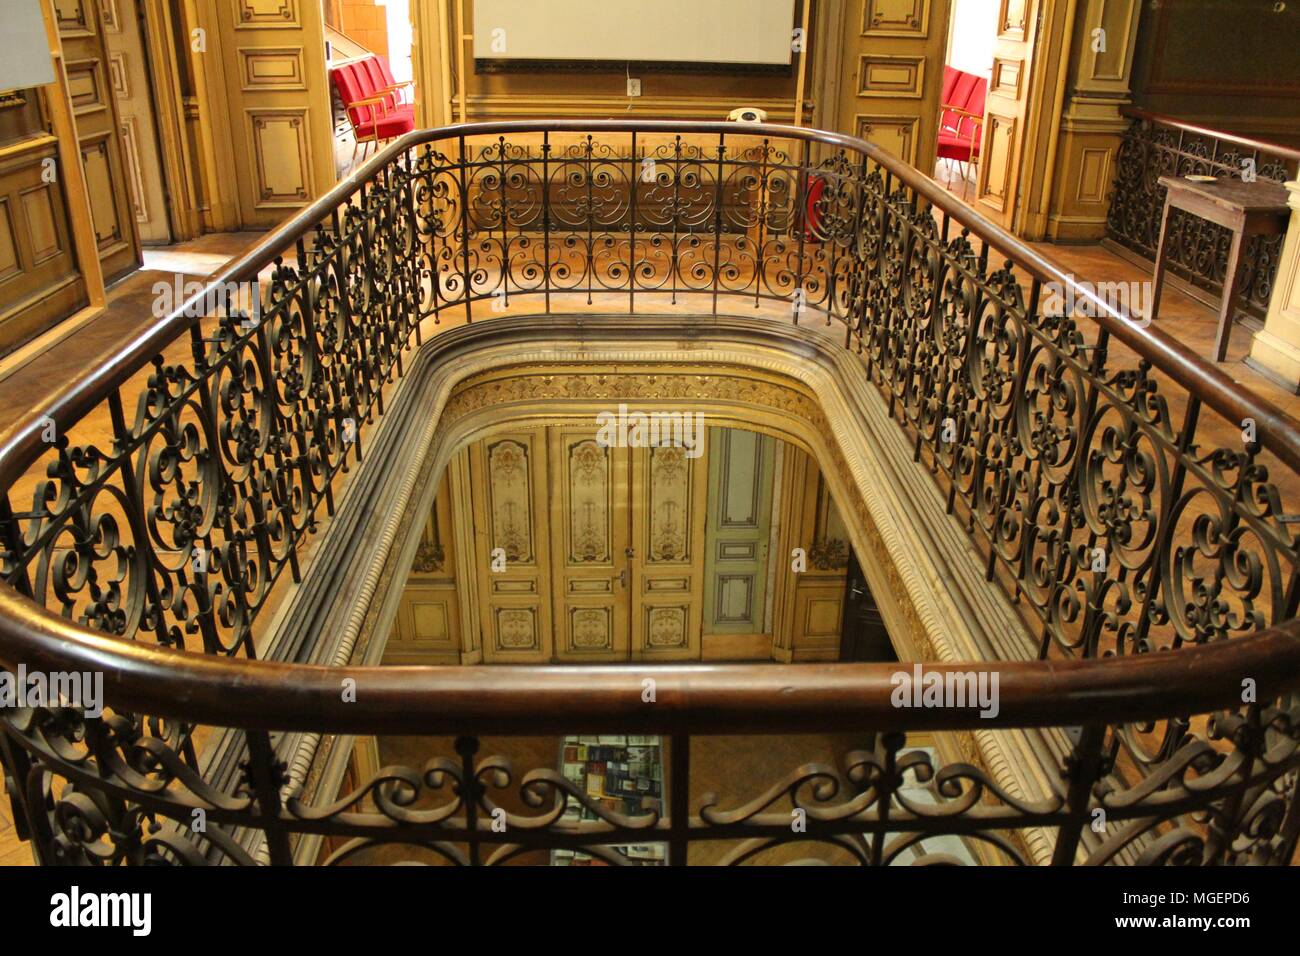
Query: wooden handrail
(1164, 119)
(709, 698)
(21, 442)
(268, 695)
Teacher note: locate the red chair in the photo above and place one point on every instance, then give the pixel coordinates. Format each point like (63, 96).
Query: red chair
(812, 215)
(961, 117)
(390, 82)
(950, 75)
(372, 101)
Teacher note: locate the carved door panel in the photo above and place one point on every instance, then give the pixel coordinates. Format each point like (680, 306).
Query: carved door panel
(512, 546)
(739, 526)
(128, 73)
(282, 140)
(893, 57)
(1002, 141)
(591, 552)
(81, 32)
(668, 518)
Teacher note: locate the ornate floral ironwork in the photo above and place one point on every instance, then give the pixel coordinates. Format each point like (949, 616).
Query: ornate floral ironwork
(1196, 250)
(1088, 479)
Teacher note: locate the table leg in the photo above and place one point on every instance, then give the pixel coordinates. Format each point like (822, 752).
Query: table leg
(1231, 285)
(1158, 280)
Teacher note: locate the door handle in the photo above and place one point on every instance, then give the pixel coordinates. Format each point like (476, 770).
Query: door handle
(622, 578)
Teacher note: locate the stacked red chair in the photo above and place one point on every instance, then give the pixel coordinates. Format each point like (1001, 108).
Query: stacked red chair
(961, 115)
(373, 100)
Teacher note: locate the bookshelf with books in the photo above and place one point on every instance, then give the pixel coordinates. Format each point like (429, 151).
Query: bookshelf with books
(624, 774)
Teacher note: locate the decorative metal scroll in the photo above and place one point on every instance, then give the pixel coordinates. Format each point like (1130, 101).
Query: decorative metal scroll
(1119, 514)
(1196, 250)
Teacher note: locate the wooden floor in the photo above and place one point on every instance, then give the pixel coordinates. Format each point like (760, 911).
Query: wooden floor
(729, 765)
(13, 852)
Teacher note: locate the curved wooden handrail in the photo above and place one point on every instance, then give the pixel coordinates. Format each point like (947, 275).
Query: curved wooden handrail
(21, 443)
(269, 695)
(699, 698)
(1164, 119)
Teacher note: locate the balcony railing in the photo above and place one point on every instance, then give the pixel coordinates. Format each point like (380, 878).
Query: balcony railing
(1127, 495)
(1156, 145)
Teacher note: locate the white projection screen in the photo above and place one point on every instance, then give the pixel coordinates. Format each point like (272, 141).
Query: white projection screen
(669, 31)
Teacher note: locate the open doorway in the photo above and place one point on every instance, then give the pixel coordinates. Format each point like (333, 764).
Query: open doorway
(131, 73)
(968, 65)
(985, 102)
(368, 44)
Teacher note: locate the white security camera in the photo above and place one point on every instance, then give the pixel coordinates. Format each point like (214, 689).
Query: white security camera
(748, 114)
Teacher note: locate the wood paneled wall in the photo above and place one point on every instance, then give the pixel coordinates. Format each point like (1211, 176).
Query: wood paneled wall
(612, 554)
(1228, 65)
(277, 137)
(39, 280)
(704, 95)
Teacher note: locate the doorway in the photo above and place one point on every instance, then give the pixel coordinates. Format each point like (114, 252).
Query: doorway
(968, 64)
(359, 30)
(130, 69)
(864, 636)
(584, 551)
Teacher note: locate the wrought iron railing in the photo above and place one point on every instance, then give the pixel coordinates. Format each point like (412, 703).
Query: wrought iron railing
(1128, 496)
(1196, 250)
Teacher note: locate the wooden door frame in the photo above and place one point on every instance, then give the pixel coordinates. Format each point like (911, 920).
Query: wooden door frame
(1044, 106)
(167, 102)
(56, 108)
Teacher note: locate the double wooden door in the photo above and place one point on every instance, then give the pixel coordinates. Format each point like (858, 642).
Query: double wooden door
(587, 552)
(93, 75)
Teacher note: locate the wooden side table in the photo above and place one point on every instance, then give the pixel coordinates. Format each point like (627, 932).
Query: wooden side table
(1244, 209)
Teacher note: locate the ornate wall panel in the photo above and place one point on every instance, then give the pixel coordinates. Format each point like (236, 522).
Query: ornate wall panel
(83, 32)
(884, 75)
(275, 68)
(886, 18)
(591, 554)
(39, 281)
(279, 144)
(512, 532)
(895, 50)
